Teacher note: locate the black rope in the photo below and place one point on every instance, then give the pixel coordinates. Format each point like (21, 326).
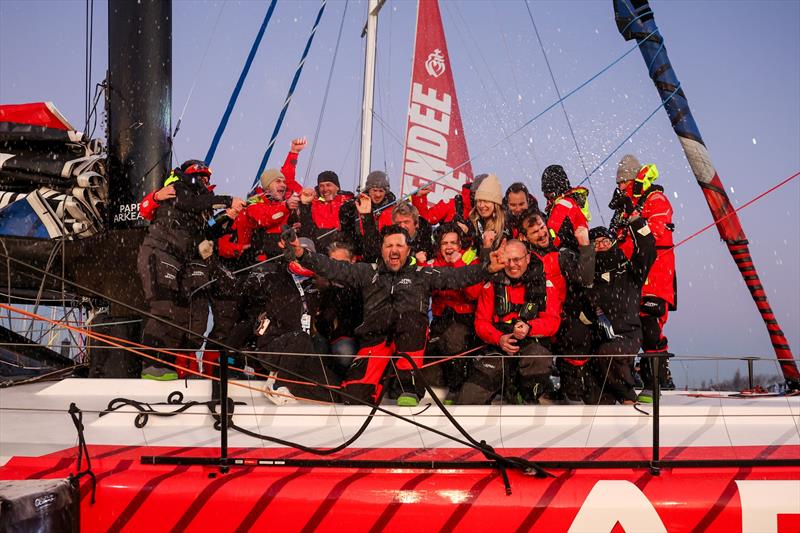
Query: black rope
(175, 398)
(77, 419)
(471, 443)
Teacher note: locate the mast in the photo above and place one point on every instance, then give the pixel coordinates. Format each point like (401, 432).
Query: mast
(635, 20)
(139, 103)
(371, 33)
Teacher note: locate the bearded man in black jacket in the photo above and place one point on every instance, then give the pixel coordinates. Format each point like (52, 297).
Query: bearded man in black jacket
(396, 296)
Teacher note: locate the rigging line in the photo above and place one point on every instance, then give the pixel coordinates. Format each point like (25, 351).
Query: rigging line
(731, 213)
(289, 95)
(564, 109)
(380, 106)
(209, 40)
(603, 162)
(495, 111)
(531, 147)
(226, 115)
(87, 56)
(268, 364)
(327, 92)
(534, 118)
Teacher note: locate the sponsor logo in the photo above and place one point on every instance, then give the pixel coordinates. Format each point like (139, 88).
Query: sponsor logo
(44, 501)
(277, 215)
(435, 64)
(127, 213)
(404, 281)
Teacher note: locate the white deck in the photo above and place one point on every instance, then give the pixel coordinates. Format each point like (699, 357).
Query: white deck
(34, 421)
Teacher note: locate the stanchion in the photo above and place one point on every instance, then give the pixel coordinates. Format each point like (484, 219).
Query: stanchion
(223, 422)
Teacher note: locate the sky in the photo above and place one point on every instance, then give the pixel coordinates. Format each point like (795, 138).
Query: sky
(738, 63)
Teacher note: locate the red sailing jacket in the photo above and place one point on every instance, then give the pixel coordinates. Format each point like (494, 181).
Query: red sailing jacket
(326, 214)
(263, 213)
(565, 208)
(546, 322)
(461, 301)
(148, 206)
(444, 210)
(655, 207)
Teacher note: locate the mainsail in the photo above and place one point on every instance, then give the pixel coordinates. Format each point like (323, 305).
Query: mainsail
(435, 142)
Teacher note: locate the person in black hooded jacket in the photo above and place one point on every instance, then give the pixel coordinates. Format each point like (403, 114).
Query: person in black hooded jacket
(165, 260)
(615, 295)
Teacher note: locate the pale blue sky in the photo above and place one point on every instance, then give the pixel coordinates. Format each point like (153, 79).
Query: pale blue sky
(739, 64)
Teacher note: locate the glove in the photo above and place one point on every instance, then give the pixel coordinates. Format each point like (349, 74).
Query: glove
(206, 249)
(606, 328)
(621, 202)
(288, 236)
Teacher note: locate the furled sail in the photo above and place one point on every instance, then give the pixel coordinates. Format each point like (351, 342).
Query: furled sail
(52, 180)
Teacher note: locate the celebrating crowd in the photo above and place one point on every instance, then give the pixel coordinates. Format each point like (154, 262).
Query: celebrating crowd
(372, 296)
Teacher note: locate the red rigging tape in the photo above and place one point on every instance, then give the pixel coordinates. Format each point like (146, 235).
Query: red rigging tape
(435, 141)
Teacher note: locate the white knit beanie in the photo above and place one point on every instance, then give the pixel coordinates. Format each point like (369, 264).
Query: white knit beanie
(489, 190)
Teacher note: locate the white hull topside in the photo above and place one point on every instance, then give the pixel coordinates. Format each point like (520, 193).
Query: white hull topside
(34, 421)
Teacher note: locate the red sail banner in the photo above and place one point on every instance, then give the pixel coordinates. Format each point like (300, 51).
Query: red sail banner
(435, 142)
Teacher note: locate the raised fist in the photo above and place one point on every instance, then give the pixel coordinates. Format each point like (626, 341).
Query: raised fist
(299, 144)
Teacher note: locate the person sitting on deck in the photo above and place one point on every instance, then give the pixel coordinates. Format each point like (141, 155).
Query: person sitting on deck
(395, 294)
(517, 315)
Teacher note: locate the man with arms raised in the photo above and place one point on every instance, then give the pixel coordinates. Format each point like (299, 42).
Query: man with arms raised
(395, 294)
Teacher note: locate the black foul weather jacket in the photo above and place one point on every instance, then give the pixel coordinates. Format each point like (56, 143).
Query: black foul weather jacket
(392, 298)
(180, 223)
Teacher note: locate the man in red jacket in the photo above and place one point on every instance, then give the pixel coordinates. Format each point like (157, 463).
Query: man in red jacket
(639, 196)
(320, 208)
(256, 231)
(517, 315)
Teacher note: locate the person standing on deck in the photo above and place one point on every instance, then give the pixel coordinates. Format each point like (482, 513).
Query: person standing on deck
(171, 244)
(637, 195)
(615, 294)
(567, 207)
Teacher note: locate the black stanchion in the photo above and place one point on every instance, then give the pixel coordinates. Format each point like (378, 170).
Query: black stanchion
(223, 422)
(655, 363)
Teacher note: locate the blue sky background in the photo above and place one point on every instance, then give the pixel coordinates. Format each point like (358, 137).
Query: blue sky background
(739, 64)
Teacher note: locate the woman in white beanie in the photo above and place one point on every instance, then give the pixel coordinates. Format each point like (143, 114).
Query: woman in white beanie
(487, 218)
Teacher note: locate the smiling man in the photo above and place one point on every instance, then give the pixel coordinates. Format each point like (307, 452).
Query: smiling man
(517, 315)
(395, 294)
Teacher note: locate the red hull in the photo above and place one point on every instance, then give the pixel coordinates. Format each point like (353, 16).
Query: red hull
(138, 497)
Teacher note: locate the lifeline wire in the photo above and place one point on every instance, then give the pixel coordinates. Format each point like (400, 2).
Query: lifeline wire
(482, 447)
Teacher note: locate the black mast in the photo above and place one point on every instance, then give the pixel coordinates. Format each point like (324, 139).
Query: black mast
(139, 103)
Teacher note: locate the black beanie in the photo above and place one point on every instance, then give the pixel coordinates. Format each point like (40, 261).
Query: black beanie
(554, 181)
(600, 231)
(329, 176)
